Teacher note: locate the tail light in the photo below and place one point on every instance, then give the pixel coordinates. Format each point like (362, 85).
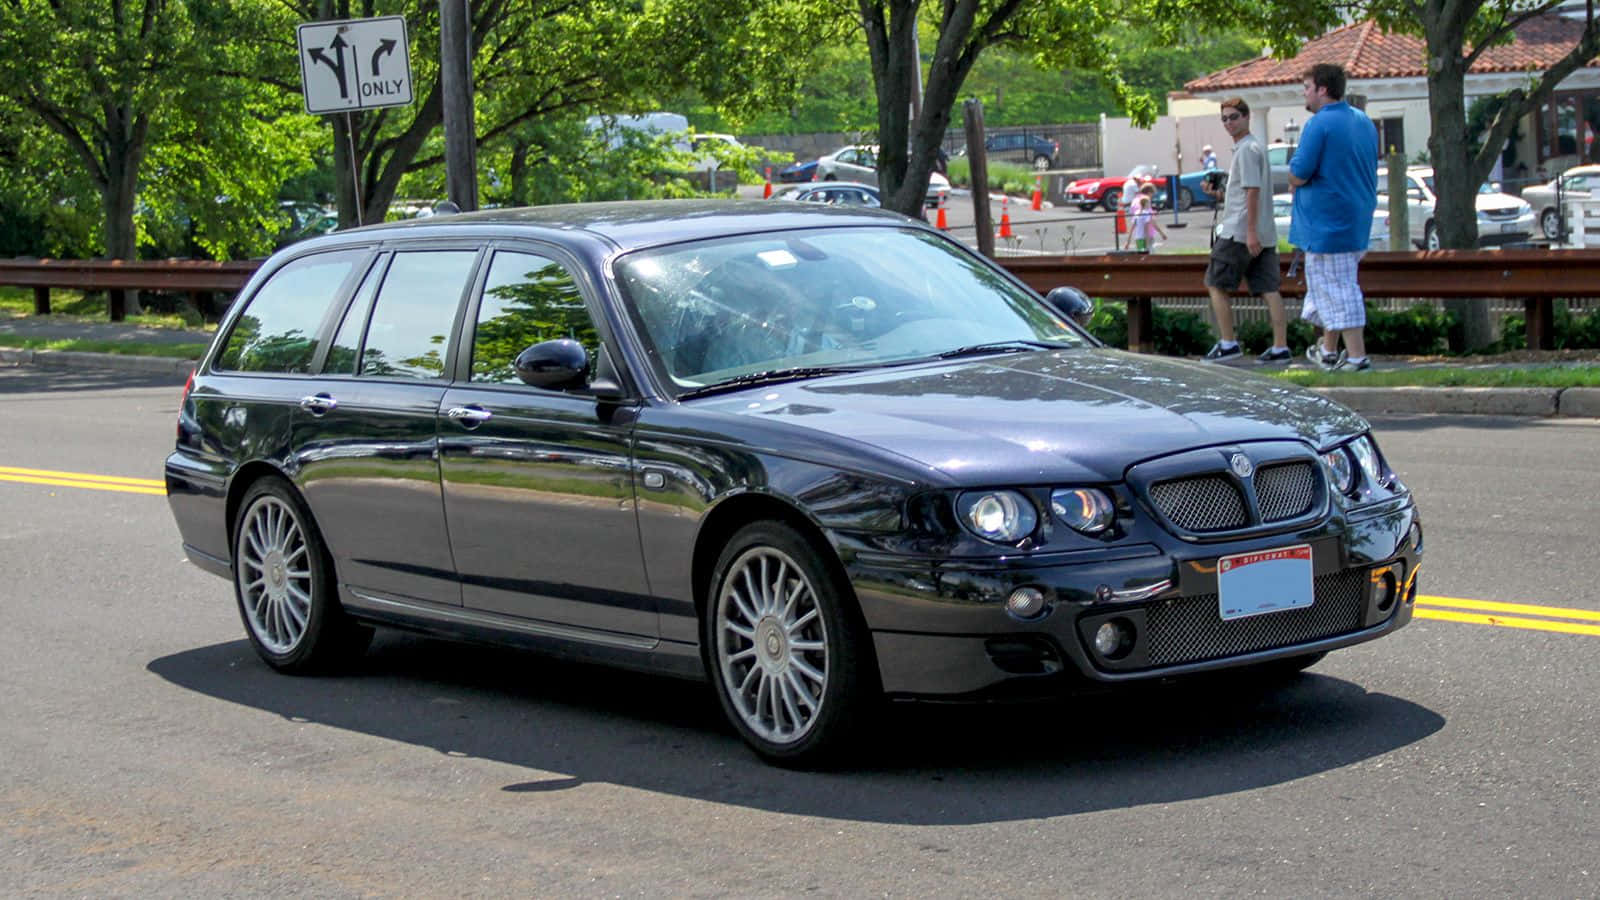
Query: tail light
(188, 385)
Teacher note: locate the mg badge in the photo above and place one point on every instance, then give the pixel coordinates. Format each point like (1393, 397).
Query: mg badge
(1241, 465)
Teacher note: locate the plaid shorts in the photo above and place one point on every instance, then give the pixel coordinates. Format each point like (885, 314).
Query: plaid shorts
(1333, 296)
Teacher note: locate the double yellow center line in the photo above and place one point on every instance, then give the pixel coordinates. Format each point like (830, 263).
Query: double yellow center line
(88, 482)
(1509, 615)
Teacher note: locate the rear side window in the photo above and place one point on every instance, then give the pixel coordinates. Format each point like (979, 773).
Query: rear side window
(277, 332)
(416, 306)
(526, 299)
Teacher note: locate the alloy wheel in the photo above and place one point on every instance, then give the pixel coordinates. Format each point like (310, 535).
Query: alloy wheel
(274, 574)
(772, 645)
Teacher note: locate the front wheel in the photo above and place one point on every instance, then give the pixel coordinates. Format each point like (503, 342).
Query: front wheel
(1550, 224)
(785, 647)
(283, 582)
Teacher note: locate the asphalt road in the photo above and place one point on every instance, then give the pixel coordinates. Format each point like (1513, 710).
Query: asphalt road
(148, 753)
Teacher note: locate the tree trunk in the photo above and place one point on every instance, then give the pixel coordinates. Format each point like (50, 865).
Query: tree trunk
(124, 149)
(1456, 177)
(520, 189)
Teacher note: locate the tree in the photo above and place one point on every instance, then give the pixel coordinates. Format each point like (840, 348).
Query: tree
(1457, 33)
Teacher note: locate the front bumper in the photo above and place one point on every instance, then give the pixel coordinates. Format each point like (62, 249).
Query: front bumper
(940, 628)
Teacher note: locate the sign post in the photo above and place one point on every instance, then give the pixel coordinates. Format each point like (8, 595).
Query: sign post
(351, 65)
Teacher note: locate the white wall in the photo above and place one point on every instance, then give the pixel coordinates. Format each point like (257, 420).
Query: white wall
(1122, 146)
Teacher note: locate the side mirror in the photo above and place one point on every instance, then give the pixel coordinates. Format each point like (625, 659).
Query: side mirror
(557, 365)
(1072, 303)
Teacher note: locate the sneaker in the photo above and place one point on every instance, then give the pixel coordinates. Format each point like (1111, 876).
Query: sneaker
(1219, 353)
(1274, 357)
(1322, 359)
(1346, 365)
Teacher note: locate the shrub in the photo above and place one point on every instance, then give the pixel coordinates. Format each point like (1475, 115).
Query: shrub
(1422, 328)
(1012, 178)
(1256, 334)
(1178, 332)
(1571, 332)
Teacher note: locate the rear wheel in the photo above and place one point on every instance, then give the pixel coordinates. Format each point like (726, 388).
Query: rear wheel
(1111, 198)
(1185, 199)
(785, 648)
(283, 582)
(1041, 162)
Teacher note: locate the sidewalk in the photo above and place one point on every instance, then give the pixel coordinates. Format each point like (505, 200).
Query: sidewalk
(1535, 402)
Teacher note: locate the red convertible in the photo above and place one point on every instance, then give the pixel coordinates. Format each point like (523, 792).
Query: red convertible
(1106, 191)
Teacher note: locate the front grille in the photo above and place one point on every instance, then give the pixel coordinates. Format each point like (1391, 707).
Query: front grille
(1498, 214)
(1285, 492)
(1190, 629)
(1207, 503)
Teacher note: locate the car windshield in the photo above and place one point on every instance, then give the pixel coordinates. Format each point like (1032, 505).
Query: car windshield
(726, 309)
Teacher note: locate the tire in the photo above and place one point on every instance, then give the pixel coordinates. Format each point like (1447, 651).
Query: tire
(1185, 199)
(830, 177)
(1550, 224)
(1430, 237)
(785, 647)
(1041, 163)
(284, 584)
(1111, 198)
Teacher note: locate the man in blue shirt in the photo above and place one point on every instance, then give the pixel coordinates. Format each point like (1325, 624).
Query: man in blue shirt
(1334, 174)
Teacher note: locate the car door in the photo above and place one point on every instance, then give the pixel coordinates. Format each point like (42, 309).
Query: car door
(862, 166)
(368, 442)
(538, 484)
(1419, 208)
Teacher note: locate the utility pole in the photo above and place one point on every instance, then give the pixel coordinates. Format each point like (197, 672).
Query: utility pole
(455, 78)
(978, 158)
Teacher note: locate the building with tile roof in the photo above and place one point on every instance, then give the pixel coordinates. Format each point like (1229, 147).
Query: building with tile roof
(1389, 71)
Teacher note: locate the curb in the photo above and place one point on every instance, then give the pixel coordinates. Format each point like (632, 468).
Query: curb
(100, 362)
(1577, 402)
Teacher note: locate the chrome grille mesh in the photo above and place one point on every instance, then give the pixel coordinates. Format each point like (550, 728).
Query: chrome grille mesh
(1285, 492)
(1206, 503)
(1191, 629)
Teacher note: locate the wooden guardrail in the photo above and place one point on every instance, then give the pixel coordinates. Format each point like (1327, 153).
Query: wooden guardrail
(1539, 276)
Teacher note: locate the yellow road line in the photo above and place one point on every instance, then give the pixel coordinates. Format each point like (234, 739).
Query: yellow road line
(1559, 612)
(84, 481)
(1424, 612)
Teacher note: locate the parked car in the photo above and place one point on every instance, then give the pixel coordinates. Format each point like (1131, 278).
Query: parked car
(812, 455)
(1278, 156)
(1020, 146)
(703, 142)
(1191, 190)
(1576, 183)
(859, 163)
(798, 171)
(1106, 191)
(1283, 217)
(1502, 218)
(837, 193)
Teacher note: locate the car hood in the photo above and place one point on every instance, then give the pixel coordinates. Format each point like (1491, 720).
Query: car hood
(1069, 415)
(1492, 202)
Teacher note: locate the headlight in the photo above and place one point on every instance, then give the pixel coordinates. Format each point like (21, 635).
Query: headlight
(1340, 469)
(1001, 516)
(1083, 509)
(1524, 210)
(1366, 455)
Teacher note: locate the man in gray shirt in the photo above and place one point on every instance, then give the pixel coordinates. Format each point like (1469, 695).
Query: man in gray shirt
(1245, 246)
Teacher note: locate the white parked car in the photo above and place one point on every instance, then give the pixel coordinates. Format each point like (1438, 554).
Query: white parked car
(1283, 214)
(1576, 183)
(859, 163)
(1502, 218)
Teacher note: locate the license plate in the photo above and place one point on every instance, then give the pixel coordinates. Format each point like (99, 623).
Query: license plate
(1266, 581)
(1509, 229)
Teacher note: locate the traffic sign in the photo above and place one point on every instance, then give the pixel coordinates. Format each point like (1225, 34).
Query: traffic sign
(354, 64)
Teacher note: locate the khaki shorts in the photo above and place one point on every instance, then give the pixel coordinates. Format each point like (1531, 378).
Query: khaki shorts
(1231, 263)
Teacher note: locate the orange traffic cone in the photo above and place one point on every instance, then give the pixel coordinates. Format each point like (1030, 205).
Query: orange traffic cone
(767, 191)
(1005, 217)
(939, 221)
(1038, 195)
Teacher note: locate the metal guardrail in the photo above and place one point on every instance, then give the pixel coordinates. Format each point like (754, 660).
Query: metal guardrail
(1539, 276)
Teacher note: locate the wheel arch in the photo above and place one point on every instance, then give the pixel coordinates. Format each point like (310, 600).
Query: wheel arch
(238, 485)
(727, 517)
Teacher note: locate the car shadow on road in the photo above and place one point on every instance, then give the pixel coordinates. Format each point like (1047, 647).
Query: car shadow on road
(928, 764)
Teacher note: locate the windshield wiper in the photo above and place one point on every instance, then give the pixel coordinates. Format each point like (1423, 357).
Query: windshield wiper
(770, 376)
(1016, 346)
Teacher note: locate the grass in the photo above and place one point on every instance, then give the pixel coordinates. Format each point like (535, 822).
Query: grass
(76, 306)
(1557, 376)
(121, 348)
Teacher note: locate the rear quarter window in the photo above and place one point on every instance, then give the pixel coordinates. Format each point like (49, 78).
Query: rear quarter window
(278, 331)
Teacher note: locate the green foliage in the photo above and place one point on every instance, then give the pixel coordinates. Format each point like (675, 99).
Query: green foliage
(1572, 332)
(1177, 332)
(1420, 329)
(1013, 178)
(1255, 335)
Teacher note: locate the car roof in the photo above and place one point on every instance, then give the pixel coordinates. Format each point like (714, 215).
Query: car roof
(626, 225)
(1589, 169)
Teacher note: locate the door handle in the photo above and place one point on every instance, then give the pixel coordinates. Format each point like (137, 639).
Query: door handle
(318, 404)
(469, 416)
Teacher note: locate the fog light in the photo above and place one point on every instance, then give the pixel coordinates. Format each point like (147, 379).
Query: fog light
(1026, 603)
(1113, 638)
(1387, 590)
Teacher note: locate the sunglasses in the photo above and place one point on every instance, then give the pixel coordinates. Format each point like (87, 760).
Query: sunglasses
(1232, 117)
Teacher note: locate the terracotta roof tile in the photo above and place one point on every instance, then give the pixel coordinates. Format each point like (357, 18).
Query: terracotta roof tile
(1366, 51)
